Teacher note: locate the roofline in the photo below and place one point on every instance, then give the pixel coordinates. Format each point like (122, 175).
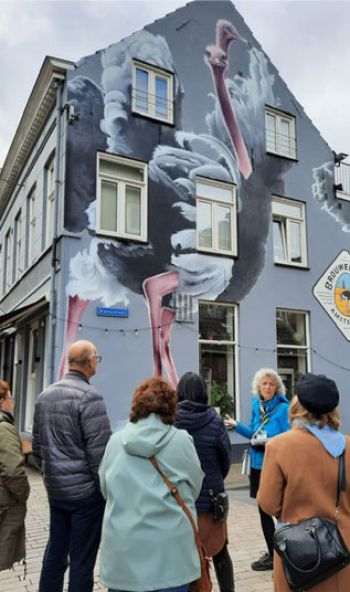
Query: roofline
(38, 107)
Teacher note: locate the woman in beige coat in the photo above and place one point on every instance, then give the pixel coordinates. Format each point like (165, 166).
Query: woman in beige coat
(14, 485)
(300, 473)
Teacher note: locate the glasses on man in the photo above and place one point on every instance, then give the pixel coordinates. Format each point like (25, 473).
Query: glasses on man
(97, 358)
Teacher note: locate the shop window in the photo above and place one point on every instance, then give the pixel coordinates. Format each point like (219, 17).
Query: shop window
(293, 348)
(216, 217)
(218, 347)
(280, 133)
(121, 197)
(289, 232)
(152, 92)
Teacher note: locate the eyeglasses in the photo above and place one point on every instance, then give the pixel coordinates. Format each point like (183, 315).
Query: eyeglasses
(97, 358)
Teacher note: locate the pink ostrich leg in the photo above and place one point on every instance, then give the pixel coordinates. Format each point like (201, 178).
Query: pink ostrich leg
(155, 288)
(167, 319)
(76, 308)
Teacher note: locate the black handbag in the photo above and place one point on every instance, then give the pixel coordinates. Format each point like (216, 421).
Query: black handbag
(220, 505)
(313, 549)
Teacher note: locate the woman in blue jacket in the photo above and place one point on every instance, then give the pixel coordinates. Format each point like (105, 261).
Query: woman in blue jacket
(269, 417)
(213, 447)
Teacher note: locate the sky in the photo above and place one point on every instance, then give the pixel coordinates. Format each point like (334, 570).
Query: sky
(308, 42)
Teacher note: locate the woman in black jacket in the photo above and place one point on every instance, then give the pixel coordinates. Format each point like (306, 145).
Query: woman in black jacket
(214, 450)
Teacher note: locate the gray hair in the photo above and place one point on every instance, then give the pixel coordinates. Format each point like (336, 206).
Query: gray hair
(260, 374)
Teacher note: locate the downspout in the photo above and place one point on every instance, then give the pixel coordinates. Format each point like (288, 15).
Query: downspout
(57, 191)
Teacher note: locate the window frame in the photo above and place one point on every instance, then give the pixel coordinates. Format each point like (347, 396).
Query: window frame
(121, 182)
(31, 225)
(284, 346)
(49, 198)
(153, 73)
(215, 205)
(286, 222)
(292, 137)
(8, 261)
(18, 250)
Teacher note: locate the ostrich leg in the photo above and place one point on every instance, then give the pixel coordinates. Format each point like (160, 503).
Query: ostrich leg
(76, 308)
(167, 319)
(155, 288)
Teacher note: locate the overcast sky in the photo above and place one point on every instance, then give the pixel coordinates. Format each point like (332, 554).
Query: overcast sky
(308, 41)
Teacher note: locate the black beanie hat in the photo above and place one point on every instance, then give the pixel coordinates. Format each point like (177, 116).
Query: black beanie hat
(317, 393)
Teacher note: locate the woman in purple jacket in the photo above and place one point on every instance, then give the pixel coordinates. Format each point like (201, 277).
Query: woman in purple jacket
(214, 450)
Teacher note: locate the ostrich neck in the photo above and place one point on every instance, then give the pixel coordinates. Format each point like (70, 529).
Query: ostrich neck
(231, 122)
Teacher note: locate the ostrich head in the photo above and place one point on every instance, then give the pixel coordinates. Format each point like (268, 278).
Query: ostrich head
(225, 33)
(216, 59)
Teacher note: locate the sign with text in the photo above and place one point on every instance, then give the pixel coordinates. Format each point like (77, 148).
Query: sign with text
(333, 292)
(102, 311)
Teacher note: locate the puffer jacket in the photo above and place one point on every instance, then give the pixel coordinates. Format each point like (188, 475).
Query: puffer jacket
(14, 492)
(276, 418)
(212, 444)
(70, 433)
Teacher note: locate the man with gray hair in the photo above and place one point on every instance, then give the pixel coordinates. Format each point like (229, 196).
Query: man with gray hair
(70, 433)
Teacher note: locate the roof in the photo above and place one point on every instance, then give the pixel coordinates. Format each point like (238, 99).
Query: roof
(39, 106)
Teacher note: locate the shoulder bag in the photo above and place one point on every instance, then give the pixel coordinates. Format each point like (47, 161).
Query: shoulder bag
(313, 550)
(203, 584)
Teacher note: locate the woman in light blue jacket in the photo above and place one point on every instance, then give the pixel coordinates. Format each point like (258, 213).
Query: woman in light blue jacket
(147, 540)
(269, 417)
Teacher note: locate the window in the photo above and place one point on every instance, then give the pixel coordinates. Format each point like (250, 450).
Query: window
(289, 232)
(217, 346)
(121, 197)
(152, 92)
(49, 184)
(280, 133)
(1, 272)
(18, 245)
(216, 217)
(31, 222)
(8, 261)
(293, 351)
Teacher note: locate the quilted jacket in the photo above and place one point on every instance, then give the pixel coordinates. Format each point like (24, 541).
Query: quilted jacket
(70, 433)
(212, 444)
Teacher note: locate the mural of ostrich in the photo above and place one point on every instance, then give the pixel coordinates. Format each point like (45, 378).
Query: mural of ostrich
(170, 260)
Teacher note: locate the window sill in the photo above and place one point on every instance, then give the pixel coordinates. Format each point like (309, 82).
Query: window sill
(121, 237)
(170, 123)
(292, 265)
(284, 156)
(217, 253)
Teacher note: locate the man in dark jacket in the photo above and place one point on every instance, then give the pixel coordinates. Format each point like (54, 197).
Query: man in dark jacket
(70, 433)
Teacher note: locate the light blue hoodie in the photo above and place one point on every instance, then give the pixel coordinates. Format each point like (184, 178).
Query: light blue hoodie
(147, 540)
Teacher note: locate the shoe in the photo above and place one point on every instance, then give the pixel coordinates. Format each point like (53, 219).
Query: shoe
(263, 564)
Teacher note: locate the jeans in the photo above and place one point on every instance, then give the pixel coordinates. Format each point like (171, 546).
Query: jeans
(75, 532)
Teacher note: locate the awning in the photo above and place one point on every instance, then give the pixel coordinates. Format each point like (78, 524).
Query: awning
(12, 318)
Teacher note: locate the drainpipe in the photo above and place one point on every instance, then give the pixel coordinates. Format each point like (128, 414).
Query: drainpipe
(53, 298)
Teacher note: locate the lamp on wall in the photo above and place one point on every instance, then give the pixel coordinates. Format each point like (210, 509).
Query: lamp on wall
(339, 157)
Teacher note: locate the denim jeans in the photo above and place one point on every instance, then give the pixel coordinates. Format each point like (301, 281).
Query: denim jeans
(75, 532)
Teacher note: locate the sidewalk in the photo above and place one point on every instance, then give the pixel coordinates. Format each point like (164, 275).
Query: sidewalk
(246, 540)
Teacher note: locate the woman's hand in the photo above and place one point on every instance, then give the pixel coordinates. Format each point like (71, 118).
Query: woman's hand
(229, 421)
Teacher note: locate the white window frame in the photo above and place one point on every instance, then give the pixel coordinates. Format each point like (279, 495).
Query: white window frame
(121, 183)
(285, 224)
(1, 273)
(273, 144)
(50, 199)
(234, 343)
(31, 225)
(153, 73)
(8, 272)
(215, 204)
(18, 246)
(293, 347)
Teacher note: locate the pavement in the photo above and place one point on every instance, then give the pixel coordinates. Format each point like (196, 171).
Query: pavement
(246, 541)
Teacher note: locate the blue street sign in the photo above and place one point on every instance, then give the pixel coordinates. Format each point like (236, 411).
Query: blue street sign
(112, 312)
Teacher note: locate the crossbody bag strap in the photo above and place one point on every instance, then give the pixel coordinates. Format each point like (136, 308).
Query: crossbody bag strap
(341, 483)
(180, 501)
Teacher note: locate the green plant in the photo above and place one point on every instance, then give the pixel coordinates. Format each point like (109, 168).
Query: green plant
(219, 397)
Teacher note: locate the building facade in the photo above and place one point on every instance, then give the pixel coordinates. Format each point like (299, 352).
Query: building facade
(169, 199)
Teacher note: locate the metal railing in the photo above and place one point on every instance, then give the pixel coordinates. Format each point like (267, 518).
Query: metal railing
(342, 180)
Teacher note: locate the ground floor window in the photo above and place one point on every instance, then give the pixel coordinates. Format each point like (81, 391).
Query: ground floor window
(293, 346)
(218, 352)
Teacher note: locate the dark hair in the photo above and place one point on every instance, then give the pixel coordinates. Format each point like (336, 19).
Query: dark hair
(154, 395)
(4, 389)
(192, 387)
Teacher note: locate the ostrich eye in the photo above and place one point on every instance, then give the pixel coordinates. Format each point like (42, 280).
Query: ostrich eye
(207, 53)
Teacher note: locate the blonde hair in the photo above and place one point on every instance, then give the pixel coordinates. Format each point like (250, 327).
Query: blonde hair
(297, 411)
(260, 374)
(4, 389)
